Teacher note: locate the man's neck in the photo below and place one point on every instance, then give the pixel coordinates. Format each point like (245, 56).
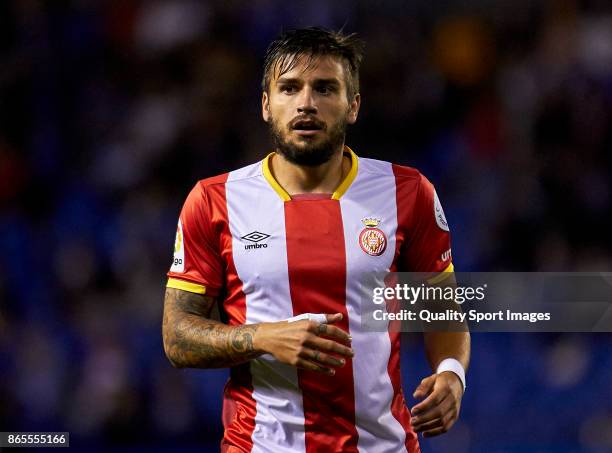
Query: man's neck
(297, 179)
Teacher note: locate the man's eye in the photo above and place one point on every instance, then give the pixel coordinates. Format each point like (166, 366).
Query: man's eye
(288, 89)
(326, 90)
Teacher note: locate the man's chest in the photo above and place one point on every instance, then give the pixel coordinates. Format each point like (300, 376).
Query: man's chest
(303, 240)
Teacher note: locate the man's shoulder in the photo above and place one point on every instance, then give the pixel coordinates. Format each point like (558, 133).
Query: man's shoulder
(212, 181)
(386, 168)
(248, 171)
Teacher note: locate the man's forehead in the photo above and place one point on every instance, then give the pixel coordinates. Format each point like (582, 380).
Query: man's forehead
(315, 67)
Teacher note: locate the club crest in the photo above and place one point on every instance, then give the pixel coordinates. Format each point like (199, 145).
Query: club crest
(371, 239)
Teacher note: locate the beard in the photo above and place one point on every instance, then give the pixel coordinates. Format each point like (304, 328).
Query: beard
(309, 154)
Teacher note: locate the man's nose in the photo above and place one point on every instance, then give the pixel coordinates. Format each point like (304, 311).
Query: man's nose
(307, 103)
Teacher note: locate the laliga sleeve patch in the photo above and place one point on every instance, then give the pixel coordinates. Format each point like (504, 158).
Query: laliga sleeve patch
(178, 262)
(439, 213)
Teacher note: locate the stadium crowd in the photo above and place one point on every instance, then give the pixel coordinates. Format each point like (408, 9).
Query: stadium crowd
(111, 111)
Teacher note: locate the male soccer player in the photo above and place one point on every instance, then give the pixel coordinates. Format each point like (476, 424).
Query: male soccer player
(291, 235)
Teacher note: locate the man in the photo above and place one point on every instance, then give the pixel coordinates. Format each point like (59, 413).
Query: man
(290, 236)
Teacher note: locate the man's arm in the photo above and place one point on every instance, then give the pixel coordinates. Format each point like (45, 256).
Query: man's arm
(443, 392)
(443, 345)
(192, 339)
(439, 411)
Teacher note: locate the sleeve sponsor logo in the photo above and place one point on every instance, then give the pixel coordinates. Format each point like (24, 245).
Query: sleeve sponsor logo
(178, 261)
(439, 213)
(446, 255)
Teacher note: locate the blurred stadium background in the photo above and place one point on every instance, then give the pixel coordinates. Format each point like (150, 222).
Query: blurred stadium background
(111, 110)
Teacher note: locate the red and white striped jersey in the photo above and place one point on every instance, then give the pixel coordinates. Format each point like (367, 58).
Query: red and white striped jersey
(270, 256)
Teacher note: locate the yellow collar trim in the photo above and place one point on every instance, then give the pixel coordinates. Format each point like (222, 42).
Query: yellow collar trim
(341, 190)
(350, 177)
(273, 182)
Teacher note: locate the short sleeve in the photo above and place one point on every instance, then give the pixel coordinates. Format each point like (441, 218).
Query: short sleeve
(196, 264)
(428, 245)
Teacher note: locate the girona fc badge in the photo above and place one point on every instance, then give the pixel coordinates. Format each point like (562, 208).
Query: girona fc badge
(372, 240)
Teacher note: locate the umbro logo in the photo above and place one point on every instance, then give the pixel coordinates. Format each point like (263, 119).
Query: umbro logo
(255, 237)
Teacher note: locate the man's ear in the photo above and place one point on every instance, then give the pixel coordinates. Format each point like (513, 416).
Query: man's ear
(265, 106)
(354, 109)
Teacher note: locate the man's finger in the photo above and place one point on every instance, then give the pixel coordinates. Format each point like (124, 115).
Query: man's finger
(433, 401)
(436, 431)
(432, 424)
(309, 365)
(323, 344)
(427, 417)
(321, 329)
(425, 387)
(336, 317)
(322, 358)
(333, 332)
(446, 422)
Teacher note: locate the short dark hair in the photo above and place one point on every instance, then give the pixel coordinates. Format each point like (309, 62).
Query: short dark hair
(284, 53)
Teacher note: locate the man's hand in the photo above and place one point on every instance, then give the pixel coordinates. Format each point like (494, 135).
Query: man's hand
(438, 412)
(192, 339)
(306, 344)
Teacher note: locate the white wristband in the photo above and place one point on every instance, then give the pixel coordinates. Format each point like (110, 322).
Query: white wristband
(319, 317)
(452, 365)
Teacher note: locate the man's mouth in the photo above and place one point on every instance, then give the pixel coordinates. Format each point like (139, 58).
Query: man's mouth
(307, 127)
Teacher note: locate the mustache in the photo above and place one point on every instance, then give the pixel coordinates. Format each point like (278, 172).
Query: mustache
(301, 119)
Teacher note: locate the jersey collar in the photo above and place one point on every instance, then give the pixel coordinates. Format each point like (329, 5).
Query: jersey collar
(340, 190)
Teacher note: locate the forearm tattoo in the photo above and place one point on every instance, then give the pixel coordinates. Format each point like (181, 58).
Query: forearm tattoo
(193, 340)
